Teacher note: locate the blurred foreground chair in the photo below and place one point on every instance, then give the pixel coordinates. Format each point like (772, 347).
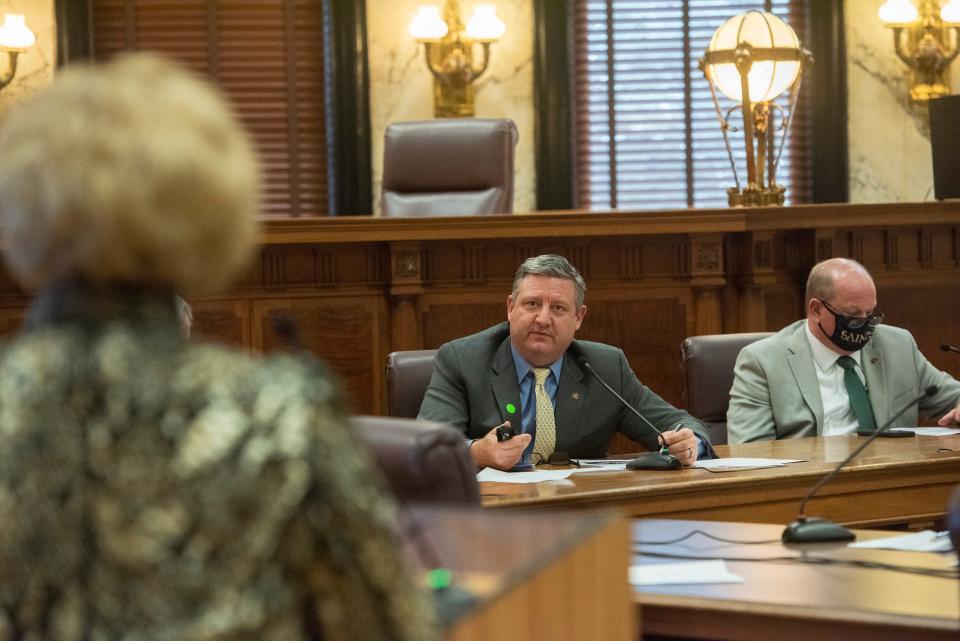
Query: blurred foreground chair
(408, 374)
(448, 167)
(708, 362)
(423, 461)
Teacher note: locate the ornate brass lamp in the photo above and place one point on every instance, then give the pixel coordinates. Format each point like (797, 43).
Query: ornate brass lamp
(926, 40)
(452, 52)
(753, 58)
(15, 38)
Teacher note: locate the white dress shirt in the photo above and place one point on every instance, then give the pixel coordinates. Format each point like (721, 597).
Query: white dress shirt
(838, 416)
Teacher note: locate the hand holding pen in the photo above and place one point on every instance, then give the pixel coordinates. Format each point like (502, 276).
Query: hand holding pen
(681, 442)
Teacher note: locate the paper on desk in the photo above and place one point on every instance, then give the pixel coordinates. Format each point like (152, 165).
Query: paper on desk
(686, 572)
(735, 463)
(925, 541)
(600, 464)
(617, 467)
(929, 431)
(490, 474)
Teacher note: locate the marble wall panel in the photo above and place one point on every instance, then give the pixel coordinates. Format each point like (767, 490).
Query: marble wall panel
(35, 67)
(889, 136)
(401, 87)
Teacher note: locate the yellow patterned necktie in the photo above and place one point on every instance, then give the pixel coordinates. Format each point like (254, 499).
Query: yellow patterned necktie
(546, 427)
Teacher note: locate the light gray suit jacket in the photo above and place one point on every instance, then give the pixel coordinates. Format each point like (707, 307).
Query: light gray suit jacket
(474, 383)
(775, 392)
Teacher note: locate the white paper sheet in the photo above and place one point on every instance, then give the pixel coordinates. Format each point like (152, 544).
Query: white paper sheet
(929, 431)
(925, 541)
(683, 573)
(613, 467)
(736, 463)
(490, 474)
(600, 462)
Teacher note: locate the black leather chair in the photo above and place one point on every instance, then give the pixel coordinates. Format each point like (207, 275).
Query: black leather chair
(708, 365)
(448, 167)
(408, 374)
(423, 461)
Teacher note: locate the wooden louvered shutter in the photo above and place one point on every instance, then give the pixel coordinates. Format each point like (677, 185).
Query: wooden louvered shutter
(646, 131)
(266, 55)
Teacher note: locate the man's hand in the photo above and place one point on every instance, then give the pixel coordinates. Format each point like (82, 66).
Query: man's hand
(500, 455)
(683, 444)
(950, 418)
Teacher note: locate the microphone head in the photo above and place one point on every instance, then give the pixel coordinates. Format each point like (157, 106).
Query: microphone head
(931, 390)
(944, 347)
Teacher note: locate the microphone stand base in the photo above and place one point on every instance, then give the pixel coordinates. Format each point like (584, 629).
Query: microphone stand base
(655, 461)
(815, 530)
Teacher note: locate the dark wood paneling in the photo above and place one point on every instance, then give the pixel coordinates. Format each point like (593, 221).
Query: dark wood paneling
(11, 319)
(345, 332)
(459, 316)
(360, 287)
(227, 321)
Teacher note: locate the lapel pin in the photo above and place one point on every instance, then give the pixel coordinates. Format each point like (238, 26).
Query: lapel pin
(874, 360)
(511, 408)
(575, 396)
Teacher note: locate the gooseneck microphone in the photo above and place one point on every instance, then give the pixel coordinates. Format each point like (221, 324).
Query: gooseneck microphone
(817, 530)
(650, 460)
(946, 347)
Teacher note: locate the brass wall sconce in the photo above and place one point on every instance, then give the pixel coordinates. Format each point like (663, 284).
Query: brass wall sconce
(926, 40)
(753, 58)
(452, 52)
(15, 38)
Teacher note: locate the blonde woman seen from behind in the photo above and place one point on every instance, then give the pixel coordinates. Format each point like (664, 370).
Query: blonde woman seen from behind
(153, 488)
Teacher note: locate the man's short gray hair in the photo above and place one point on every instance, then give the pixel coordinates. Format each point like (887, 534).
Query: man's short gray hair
(555, 267)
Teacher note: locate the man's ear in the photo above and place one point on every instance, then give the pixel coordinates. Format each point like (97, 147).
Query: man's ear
(509, 305)
(580, 314)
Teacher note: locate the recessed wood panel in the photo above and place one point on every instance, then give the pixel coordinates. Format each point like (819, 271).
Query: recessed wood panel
(11, 320)
(444, 322)
(347, 333)
(930, 316)
(225, 321)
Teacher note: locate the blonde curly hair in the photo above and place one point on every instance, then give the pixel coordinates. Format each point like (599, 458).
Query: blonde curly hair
(133, 171)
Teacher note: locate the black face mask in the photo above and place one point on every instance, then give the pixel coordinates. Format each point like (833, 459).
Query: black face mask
(851, 334)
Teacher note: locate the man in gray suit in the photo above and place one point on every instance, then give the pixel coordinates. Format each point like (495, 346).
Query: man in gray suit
(836, 372)
(525, 372)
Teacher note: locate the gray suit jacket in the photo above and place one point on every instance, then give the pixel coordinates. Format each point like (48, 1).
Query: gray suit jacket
(474, 380)
(775, 392)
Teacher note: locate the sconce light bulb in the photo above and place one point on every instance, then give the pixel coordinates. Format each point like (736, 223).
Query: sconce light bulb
(950, 12)
(484, 25)
(898, 12)
(767, 78)
(14, 33)
(427, 23)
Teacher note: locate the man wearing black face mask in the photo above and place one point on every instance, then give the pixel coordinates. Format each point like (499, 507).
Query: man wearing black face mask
(837, 371)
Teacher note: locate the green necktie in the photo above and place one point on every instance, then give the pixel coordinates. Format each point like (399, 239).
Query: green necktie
(859, 400)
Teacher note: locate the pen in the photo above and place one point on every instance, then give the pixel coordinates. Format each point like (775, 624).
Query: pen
(664, 449)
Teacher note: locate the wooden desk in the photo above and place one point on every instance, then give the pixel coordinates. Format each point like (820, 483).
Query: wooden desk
(788, 601)
(892, 481)
(531, 576)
